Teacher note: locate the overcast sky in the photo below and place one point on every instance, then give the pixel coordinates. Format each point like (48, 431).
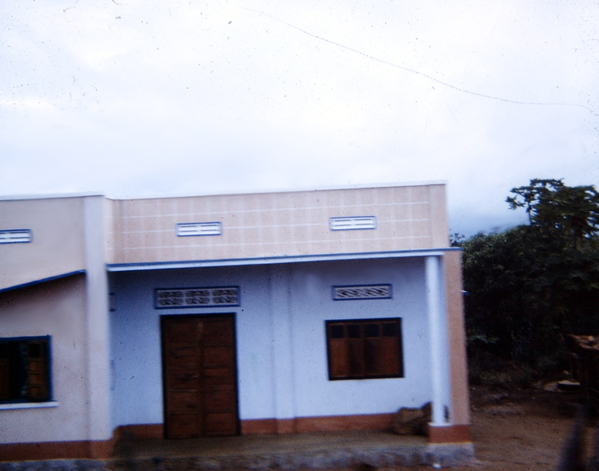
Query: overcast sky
(136, 98)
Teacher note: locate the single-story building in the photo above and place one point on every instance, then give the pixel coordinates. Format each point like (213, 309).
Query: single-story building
(183, 317)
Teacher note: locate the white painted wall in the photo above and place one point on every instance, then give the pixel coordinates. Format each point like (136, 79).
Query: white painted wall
(312, 305)
(281, 343)
(135, 343)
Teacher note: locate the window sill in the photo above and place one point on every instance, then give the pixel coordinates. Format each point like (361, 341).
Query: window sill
(28, 405)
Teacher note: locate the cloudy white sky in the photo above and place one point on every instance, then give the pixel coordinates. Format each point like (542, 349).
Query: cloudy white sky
(138, 98)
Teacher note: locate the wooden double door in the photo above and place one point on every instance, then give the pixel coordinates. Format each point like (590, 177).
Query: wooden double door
(199, 375)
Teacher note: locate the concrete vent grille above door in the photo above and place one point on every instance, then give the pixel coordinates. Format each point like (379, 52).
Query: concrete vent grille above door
(18, 236)
(197, 297)
(352, 223)
(199, 229)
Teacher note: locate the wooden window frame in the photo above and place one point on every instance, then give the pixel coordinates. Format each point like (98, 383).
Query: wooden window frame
(364, 348)
(25, 370)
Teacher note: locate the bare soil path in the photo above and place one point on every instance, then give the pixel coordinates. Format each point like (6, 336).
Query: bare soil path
(518, 431)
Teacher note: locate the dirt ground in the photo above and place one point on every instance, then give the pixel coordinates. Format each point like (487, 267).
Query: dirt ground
(519, 431)
(511, 430)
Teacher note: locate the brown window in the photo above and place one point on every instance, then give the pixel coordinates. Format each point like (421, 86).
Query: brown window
(361, 349)
(24, 369)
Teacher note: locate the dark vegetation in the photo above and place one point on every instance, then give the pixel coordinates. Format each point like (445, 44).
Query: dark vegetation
(528, 286)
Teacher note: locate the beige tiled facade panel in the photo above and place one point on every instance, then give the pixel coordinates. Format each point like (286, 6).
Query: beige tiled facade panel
(57, 239)
(56, 309)
(276, 224)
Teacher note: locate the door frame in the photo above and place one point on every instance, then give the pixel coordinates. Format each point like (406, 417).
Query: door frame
(163, 319)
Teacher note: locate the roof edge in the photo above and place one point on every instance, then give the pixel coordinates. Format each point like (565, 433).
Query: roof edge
(295, 190)
(51, 196)
(231, 193)
(42, 280)
(123, 267)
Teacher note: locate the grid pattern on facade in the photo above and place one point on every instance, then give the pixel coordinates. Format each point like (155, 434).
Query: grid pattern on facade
(271, 224)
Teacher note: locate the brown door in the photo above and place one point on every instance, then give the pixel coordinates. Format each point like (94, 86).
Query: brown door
(200, 385)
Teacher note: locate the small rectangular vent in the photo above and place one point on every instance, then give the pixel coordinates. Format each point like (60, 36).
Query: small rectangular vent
(199, 229)
(197, 297)
(353, 223)
(18, 236)
(343, 293)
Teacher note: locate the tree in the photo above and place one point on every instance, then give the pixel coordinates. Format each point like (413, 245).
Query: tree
(571, 213)
(528, 285)
(501, 310)
(564, 223)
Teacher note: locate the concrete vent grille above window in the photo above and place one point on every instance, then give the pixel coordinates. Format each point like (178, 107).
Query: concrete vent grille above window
(353, 223)
(343, 293)
(199, 229)
(19, 236)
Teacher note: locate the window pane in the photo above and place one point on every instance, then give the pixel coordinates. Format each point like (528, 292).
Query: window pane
(37, 371)
(4, 379)
(356, 357)
(372, 330)
(18, 373)
(391, 356)
(35, 350)
(371, 356)
(364, 349)
(353, 331)
(337, 331)
(390, 329)
(338, 359)
(24, 370)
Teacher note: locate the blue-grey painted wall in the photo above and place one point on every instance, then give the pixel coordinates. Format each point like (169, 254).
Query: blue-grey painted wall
(281, 343)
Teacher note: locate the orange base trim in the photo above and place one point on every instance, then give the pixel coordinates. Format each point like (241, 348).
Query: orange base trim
(87, 449)
(336, 423)
(449, 434)
(286, 426)
(344, 423)
(140, 431)
(259, 427)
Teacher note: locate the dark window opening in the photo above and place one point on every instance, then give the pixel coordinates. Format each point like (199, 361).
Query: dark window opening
(24, 369)
(371, 330)
(337, 332)
(364, 349)
(353, 331)
(390, 329)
